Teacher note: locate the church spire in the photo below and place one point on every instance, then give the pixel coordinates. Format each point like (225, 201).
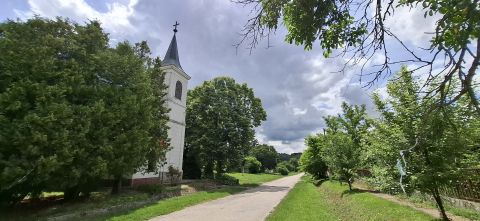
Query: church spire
(171, 57)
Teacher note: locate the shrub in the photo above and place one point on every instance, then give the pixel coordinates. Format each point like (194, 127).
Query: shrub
(174, 174)
(282, 170)
(287, 165)
(252, 165)
(226, 179)
(152, 189)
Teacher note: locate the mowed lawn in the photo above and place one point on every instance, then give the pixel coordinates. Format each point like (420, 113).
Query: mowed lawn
(332, 201)
(248, 179)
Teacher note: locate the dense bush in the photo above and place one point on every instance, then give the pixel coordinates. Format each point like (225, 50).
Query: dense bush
(282, 170)
(174, 174)
(227, 179)
(252, 165)
(267, 155)
(287, 165)
(311, 161)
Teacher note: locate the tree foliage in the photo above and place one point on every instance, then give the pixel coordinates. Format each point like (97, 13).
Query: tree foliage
(267, 155)
(221, 117)
(433, 141)
(252, 165)
(73, 110)
(311, 160)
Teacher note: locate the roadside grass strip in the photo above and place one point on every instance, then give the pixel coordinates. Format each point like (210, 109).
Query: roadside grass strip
(248, 179)
(333, 201)
(303, 202)
(170, 205)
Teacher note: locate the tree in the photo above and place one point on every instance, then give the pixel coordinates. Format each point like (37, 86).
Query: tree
(221, 117)
(46, 106)
(360, 29)
(342, 157)
(70, 106)
(432, 141)
(252, 164)
(288, 165)
(344, 133)
(311, 160)
(134, 92)
(267, 155)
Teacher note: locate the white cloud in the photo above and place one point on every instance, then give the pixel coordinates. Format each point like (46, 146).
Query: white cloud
(298, 111)
(115, 20)
(410, 25)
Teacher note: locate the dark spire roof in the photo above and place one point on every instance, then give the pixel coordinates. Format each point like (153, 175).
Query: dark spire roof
(171, 57)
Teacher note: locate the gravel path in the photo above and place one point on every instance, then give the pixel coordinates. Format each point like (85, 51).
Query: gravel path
(253, 204)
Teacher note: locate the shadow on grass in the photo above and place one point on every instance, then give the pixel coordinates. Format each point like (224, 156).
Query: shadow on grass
(356, 191)
(319, 182)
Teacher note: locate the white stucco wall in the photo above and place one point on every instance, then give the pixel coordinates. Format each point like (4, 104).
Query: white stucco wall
(176, 133)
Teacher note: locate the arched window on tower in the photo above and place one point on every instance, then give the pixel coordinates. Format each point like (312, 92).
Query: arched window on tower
(178, 90)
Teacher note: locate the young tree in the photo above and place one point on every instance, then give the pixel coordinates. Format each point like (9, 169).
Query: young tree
(343, 141)
(342, 157)
(221, 117)
(311, 160)
(432, 139)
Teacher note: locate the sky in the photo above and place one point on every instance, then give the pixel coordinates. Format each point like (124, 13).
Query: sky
(297, 87)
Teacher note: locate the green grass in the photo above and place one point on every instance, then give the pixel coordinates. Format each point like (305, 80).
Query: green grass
(421, 201)
(103, 199)
(248, 179)
(163, 207)
(332, 201)
(303, 202)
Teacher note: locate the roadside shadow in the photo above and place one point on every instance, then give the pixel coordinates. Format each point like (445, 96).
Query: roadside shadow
(319, 182)
(357, 191)
(266, 188)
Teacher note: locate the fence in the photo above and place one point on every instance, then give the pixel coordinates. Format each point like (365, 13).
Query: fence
(467, 189)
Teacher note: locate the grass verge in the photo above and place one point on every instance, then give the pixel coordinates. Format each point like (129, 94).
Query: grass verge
(332, 201)
(166, 206)
(247, 179)
(422, 201)
(303, 202)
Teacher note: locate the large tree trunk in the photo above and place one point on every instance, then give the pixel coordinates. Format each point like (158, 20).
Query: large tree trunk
(70, 194)
(220, 169)
(439, 201)
(117, 184)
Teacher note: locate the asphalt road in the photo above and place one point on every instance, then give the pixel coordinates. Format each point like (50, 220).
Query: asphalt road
(253, 204)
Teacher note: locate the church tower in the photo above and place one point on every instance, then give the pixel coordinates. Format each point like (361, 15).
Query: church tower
(176, 80)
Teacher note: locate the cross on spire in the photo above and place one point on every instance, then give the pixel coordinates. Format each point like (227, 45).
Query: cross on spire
(175, 25)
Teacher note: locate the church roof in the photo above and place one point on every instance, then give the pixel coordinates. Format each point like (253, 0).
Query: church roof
(171, 57)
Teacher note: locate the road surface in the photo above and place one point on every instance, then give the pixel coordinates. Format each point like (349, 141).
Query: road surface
(251, 205)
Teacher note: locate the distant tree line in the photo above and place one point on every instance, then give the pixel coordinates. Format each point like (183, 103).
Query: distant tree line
(413, 141)
(74, 110)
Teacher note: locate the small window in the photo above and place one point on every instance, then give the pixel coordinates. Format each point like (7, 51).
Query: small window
(178, 90)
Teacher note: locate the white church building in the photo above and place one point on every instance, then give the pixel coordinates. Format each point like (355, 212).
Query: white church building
(176, 80)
